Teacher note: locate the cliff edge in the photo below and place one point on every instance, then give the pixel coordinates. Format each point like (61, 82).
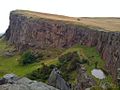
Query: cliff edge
(38, 30)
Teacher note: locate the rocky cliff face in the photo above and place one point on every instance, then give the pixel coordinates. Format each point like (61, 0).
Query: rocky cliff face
(30, 31)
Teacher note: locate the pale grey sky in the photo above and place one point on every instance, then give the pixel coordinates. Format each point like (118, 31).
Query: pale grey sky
(78, 8)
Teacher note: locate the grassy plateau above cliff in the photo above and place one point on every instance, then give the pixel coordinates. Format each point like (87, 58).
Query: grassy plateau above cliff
(102, 23)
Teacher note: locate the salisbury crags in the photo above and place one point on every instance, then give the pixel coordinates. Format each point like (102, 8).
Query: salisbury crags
(38, 30)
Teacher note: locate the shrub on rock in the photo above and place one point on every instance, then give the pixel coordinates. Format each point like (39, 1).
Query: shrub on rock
(28, 58)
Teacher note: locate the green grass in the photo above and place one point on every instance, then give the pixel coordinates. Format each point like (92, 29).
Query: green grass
(90, 52)
(3, 45)
(11, 65)
(92, 55)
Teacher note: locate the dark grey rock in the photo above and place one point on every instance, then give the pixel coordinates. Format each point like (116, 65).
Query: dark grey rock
(57, 81)
(12, 82)
(8, 54)
(84, 81)
(2, 81)
(10, 78)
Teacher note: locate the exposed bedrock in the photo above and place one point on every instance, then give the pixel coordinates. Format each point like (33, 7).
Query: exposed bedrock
(12, 82)
(27, 31)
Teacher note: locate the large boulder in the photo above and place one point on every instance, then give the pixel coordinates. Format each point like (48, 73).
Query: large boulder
(57, 81)
(2, 81)
(10, 78)
(12, 82)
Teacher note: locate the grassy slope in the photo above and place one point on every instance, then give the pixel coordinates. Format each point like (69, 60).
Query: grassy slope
(108, 24)
(10, 65)
(92, 55)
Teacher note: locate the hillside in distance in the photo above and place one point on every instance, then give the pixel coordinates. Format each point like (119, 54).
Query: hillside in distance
(102, 23)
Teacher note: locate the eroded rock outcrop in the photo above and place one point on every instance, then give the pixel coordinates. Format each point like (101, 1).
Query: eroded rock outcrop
(57, 81)
(12, 82)
(32, 31)
(84, 80)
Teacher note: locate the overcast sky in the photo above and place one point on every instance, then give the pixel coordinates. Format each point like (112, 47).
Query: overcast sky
(78, 8)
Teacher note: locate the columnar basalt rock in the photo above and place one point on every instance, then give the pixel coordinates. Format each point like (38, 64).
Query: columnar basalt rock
(29, 31)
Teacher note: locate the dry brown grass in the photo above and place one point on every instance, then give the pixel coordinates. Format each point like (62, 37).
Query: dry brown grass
(108, 24)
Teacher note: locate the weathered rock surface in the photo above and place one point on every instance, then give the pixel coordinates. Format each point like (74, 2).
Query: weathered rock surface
(84, 81)
(12, 82)
(9, 53)
(31, 31)
(57, 81)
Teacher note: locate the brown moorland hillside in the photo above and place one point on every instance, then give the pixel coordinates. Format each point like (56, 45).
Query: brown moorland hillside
(106, 23)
